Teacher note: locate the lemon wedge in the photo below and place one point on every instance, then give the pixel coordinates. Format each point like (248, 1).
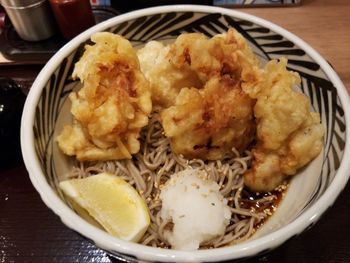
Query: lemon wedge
(112, 202)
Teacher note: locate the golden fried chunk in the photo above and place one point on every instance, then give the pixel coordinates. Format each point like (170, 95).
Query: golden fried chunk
(165, 79)
(223, 54)
(288, 135)
(207, 123)
(113, 104)
(192, 60)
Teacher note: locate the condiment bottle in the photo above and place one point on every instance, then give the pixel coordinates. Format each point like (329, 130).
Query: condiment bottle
(72, 16)
(32, 19)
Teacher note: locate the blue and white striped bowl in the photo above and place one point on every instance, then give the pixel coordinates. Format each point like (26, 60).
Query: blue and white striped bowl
(311, 192)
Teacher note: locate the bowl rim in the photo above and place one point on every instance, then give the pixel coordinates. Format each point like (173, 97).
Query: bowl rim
(112, 244)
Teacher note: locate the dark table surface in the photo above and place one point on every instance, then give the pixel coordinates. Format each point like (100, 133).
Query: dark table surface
(30, 232)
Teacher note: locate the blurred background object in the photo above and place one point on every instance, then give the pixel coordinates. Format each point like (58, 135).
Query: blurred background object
(2, 18)
(72, 16)
(32, 19)
(255, 3)
(15, 50)
(125, 6)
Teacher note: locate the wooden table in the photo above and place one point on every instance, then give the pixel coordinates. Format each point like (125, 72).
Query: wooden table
(323, 24)
(30, 232)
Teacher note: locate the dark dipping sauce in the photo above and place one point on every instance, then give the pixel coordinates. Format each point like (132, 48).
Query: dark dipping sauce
(256, 201)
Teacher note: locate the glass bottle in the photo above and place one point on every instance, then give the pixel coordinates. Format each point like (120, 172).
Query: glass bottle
(72, 16)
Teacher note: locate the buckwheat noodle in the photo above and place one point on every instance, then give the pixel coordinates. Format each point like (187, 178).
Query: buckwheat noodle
(153, 166)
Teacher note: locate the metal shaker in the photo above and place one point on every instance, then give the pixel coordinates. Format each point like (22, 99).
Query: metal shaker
(32, 19)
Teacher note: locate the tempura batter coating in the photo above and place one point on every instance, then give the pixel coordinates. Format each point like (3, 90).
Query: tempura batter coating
(223, 54)
(214, 96)
(289, 135)
(165, 79)
(207, 123)
(113, 104)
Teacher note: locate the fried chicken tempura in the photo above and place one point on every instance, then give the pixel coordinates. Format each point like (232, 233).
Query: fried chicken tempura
(214, 96)
(113, 104)
(223, 54)
(207, 123)
(288, 135)
(165, 79)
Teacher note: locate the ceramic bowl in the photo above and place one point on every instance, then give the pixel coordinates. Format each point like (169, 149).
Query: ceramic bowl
(311, 192)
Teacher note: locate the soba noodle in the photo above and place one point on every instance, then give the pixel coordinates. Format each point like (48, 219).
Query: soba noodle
(153, 166)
